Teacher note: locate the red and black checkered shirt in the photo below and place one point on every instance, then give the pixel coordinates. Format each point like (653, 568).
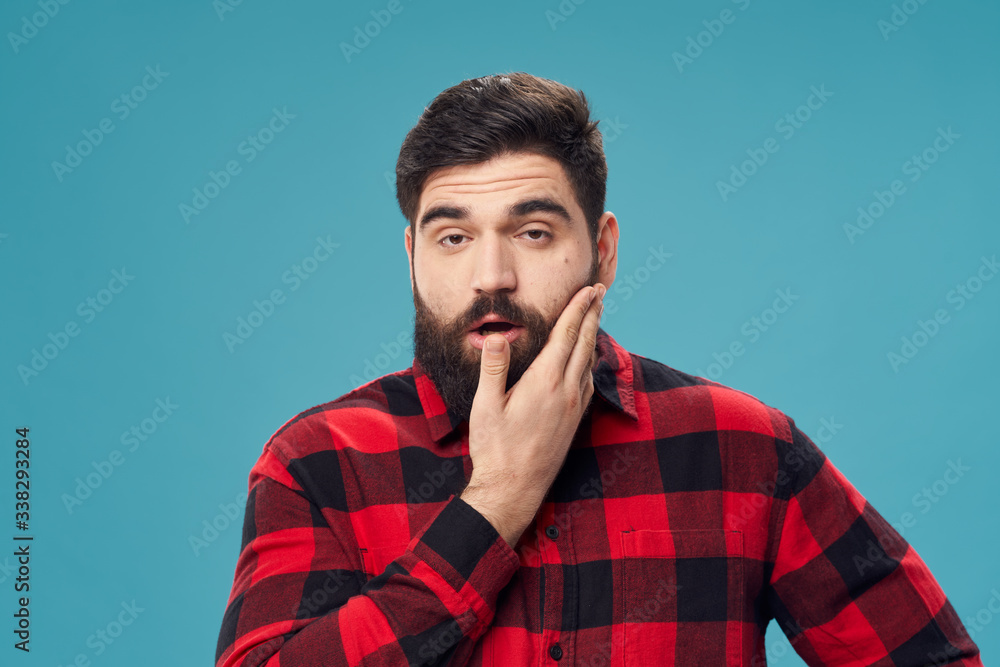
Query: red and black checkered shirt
(687, 515)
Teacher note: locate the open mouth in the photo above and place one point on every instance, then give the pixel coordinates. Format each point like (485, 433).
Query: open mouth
(488, 328)
(492, 325)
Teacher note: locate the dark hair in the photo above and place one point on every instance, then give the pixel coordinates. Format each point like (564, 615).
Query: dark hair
(479, 119)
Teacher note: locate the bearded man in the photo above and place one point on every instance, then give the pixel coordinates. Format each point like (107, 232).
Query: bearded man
(529, 492)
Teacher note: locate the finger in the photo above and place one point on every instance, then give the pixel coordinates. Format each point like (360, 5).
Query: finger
(587, 391)
(587, 377)
(566, 332)
(583, 352)
(493, 370)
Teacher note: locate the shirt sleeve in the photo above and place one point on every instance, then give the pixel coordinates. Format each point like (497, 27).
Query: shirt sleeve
(301, 598)
(846, 588)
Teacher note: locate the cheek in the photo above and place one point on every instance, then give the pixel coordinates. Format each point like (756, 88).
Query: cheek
(441, 297)
(555, 302)
(556, 294)
(437, 286)
(438, 303)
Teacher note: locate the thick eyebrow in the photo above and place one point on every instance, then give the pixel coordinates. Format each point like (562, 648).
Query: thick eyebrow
(519, 210)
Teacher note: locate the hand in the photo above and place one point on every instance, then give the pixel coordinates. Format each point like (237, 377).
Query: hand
(518, 439)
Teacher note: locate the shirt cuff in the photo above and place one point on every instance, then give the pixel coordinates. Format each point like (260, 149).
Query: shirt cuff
(464, 548)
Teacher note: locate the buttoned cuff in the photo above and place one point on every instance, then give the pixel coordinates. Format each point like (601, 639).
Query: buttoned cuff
(472, 558)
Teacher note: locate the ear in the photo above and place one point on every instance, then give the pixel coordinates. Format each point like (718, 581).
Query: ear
(408, 243)
(607, 248)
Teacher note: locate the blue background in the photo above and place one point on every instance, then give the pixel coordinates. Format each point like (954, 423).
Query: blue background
(673, 131)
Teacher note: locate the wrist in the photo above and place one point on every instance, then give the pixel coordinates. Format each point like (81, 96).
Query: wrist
(487, 502)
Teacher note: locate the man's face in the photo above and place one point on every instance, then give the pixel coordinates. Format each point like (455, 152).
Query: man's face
(499, 246)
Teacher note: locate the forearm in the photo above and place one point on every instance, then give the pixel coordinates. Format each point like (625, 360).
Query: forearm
(846, 586)
(307, 606)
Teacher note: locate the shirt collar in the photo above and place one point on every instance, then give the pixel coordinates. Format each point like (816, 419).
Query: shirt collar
(613, 382)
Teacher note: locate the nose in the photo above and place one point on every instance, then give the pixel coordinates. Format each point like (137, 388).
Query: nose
(494, 265)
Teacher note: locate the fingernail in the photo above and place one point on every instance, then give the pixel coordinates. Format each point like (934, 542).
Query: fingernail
(494, 344)
(602, 290)
(590, 296)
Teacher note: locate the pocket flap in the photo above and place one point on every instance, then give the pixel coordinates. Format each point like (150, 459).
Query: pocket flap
(682, 543)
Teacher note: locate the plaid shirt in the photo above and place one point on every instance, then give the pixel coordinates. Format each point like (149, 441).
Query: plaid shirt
(687, 515)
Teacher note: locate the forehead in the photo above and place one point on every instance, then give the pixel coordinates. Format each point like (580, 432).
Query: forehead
(499, 182)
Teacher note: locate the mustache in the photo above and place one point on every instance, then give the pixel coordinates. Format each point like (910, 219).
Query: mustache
(499, 303)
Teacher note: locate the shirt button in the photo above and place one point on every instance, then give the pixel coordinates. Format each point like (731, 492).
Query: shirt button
(555, 651)
(552, 532)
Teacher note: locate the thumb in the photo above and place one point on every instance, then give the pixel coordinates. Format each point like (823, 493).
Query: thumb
(493, 367)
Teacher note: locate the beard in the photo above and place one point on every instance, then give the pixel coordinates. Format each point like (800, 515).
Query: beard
(453, 365)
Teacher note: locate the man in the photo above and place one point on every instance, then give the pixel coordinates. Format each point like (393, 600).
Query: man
(529, 492)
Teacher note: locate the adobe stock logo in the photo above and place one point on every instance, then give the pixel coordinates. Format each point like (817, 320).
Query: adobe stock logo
(38, 20)
(122, 106)
(250, 148)
(629, 283)
(103, 637)
(976, 624)
(915, 167)
(926, 330)
(786, 126)
(229, 514)
(295, 276)
(714, 28)
(223, 7)
(59, 341)
(900, 15)
(379, 364)
(931, 494)
(752, 329)
(105, 468)
(363, 38)
(565, 9)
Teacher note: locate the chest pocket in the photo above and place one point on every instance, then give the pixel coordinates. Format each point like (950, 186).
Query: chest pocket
(374, 560)
(681, 597)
